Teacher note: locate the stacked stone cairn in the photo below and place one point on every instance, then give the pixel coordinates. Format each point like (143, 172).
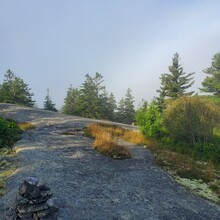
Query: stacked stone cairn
(34, 200)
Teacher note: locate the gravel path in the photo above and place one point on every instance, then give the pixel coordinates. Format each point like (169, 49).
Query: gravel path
(87, 185)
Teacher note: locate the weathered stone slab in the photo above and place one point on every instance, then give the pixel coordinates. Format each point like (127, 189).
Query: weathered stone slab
(28, 208)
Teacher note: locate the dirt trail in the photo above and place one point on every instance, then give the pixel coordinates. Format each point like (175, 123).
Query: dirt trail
(87, 185)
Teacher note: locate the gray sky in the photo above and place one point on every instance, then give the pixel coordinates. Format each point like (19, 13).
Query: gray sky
(53, 43)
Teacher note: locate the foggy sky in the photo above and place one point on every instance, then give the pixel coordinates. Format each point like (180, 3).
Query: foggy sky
(52, 44)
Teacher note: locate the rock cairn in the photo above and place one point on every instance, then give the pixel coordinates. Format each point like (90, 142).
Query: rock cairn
(34, 200)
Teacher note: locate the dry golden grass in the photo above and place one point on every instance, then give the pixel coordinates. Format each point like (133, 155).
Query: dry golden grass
(175, 163)
(26, 126)
(105, 143)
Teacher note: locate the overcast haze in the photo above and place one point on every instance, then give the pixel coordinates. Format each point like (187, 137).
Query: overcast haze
(52, 44)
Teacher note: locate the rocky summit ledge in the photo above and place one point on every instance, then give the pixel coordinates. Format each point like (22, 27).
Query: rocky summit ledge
(87, 185)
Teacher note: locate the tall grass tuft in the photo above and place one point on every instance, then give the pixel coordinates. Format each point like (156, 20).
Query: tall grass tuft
(105, 144)
(24, 126)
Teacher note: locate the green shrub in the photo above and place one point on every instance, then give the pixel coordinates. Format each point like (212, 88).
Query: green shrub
(9, 132)
(192, 120)
(150, 121)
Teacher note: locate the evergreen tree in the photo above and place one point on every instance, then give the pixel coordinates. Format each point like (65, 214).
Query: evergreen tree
(111, 107)
(14, 90)
(48, 104)
(129, 107)
(90, 96)
(71, 102)
(140, 113)
(175, 83)
(211, 83)
(91, 100)
(126, 112)
(120, 111)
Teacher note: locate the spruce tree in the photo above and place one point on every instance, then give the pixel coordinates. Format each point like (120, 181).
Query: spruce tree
(211, 83)
(48, 104)
(14, 90)
(129, 107)
(175, 83)
(126, 111)
(71, 106)
(90, 94)
(120, 111)
(111, 107)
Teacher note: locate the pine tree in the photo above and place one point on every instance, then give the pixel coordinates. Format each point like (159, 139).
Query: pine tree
(129, 107)
(48, 104)
(120, 111)
(111, 107)
(175, 83)
(126, 111)
(71, 102)
(14, 90)
(90, 95)
(211, 83)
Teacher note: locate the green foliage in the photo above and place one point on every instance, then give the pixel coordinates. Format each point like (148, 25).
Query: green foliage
(89, 96)
(150, 120)
(191, 120)
(140, 113)
(91, 100)
(211, 83)
(212, 98)
(175, 83)
(9, 132)
(71, 102)
(48, 104)
(126, 112)
(14, 90)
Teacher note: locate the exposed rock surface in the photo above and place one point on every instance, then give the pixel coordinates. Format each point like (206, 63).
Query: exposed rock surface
(88, 185)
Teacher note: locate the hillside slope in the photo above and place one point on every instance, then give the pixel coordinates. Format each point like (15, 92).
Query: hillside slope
(87, 185)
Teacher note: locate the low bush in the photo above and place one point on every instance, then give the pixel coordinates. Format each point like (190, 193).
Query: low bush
(192, 120)
(9, 132)
(150, 121)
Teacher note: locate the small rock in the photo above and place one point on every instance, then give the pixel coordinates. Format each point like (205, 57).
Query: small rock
(39, 200)
(43, 214)
(25, 215)
(29, 190)
(50, 202)
(28, 208)
(46, 194)
(32, 180)
(41, 184)
(20, 200)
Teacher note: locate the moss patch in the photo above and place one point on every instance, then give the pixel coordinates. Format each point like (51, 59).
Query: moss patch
(200, 188)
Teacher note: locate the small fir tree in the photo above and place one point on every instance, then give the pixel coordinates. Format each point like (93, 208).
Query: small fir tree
(48, 104)
(175, 83)
(71, 106)
(126, 111)
(211, 83)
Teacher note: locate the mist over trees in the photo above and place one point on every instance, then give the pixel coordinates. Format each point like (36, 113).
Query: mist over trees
(92, 100)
